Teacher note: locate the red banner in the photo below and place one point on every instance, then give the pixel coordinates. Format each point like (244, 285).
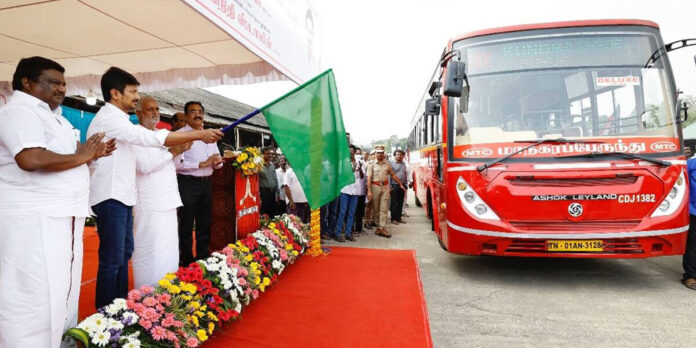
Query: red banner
(638, 145)
(247, 202)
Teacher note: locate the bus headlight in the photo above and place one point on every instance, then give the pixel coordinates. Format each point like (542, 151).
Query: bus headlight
(473, 203)
(674, 198)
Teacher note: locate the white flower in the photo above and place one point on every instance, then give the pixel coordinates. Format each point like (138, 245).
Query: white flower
(114, 324)
(277, 264)
(133, 317)
(132, 343)
(94, 323)
(101, 338)
(120, 303)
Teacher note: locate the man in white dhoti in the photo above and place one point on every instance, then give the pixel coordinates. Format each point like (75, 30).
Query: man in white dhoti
(156, 237)
(44, 189)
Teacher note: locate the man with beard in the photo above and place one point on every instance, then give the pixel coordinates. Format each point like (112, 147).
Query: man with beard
(112, 187)
(194, 168)
(156, 239)
(44, 190)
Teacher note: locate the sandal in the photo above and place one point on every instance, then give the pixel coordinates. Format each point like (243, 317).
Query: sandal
(689, 283)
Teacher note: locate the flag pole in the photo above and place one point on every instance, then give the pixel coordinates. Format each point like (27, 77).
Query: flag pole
(235, 123)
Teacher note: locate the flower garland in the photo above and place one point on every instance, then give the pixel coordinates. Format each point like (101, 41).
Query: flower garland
(185, 307)
(249, 160)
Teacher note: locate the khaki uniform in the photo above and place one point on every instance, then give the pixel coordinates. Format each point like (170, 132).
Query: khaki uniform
(369, 216)
(379, 176)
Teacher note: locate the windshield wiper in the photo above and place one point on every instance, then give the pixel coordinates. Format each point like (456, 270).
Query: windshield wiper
(624, 154)
(668, 48)
(535, 143)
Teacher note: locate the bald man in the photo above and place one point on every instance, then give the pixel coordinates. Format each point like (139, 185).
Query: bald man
(178, 121)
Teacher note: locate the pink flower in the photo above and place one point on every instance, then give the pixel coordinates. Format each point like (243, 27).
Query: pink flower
(283, 254)
(192, 342)
(134, 295)
(168, 320)
(130, 304)
(150, 301)
(150, 314)
(255, 294)
(158, 333)
(146, 324)
(165, 299)
(171, 336)
(146, 289)
(139, 308)
(242, 282)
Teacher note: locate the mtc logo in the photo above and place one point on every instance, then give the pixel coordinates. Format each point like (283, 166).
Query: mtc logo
(477, 153)
(663, 146)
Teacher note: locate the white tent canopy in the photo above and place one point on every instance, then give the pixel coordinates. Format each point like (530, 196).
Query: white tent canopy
(164, 43)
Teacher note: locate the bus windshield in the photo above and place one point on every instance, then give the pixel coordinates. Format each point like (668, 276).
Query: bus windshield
(564, 83)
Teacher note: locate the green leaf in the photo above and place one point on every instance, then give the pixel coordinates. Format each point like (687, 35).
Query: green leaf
(78, 335)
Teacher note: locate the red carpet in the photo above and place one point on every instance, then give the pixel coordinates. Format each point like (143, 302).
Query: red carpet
(351, 298)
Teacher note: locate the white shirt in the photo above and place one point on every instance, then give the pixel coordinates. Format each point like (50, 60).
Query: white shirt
(187, 163)
(113, 177)
(27, 122)
(355, 189)
(290, 179)
(279, 175)
(156, 179)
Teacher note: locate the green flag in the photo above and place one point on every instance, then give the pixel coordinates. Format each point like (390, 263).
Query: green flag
(308, 126)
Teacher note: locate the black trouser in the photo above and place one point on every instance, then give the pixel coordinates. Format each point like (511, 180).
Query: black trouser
(359, 214)
(397, 203)
(280, 207)
(268, 202)
(196, 195)
(689, 260)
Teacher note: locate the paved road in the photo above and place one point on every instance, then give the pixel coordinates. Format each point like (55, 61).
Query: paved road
(537, 302)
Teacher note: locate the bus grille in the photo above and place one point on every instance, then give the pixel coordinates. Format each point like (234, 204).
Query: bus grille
(611, 246)
(572, 182)
(565, 225)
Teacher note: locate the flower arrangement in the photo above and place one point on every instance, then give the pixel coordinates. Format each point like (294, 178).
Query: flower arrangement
(185, 307)
(249, 160)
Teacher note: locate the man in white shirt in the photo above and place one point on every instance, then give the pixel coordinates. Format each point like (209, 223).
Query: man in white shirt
(112, 187)
(44, 189)
(280, 173)
(295, 197)
(194, 168)
(156, 239)
(348, 201)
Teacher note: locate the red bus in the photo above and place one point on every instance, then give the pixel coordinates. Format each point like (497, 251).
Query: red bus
(557, 139)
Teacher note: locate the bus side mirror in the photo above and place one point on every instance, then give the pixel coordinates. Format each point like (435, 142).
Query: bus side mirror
(434, 88)
(432, 106)
(682, 107)
(455, 79)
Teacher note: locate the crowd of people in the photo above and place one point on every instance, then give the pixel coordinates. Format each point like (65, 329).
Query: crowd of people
(148, 189)
(378, 194)
(132, 177)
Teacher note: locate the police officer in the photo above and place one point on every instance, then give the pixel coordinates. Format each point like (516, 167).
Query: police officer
(378, 189)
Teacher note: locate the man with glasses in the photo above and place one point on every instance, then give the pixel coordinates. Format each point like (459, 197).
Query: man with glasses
(194, 168)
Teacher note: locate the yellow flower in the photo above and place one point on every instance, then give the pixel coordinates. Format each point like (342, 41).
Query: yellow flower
(288, 247)
(194, 320)
(170, 276)
(164, 283)
(174, 289)
(212, 316)
(199, 314)
(271, 225)
(249, 257)
(266, 281)
(257, 280)
(195, 305)
(201, 335)
(239, 159)
(204, 307)
(186, 297)
(295, 253)
(211, 326)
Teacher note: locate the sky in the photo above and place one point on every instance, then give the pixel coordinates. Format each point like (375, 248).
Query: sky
(383, 52)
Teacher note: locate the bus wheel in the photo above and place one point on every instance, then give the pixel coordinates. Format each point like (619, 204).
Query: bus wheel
(418, 203)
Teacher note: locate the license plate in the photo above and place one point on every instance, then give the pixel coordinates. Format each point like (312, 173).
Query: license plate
(574, 245)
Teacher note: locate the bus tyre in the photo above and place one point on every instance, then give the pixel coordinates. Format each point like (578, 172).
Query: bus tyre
(431, 213)
(418, 203)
